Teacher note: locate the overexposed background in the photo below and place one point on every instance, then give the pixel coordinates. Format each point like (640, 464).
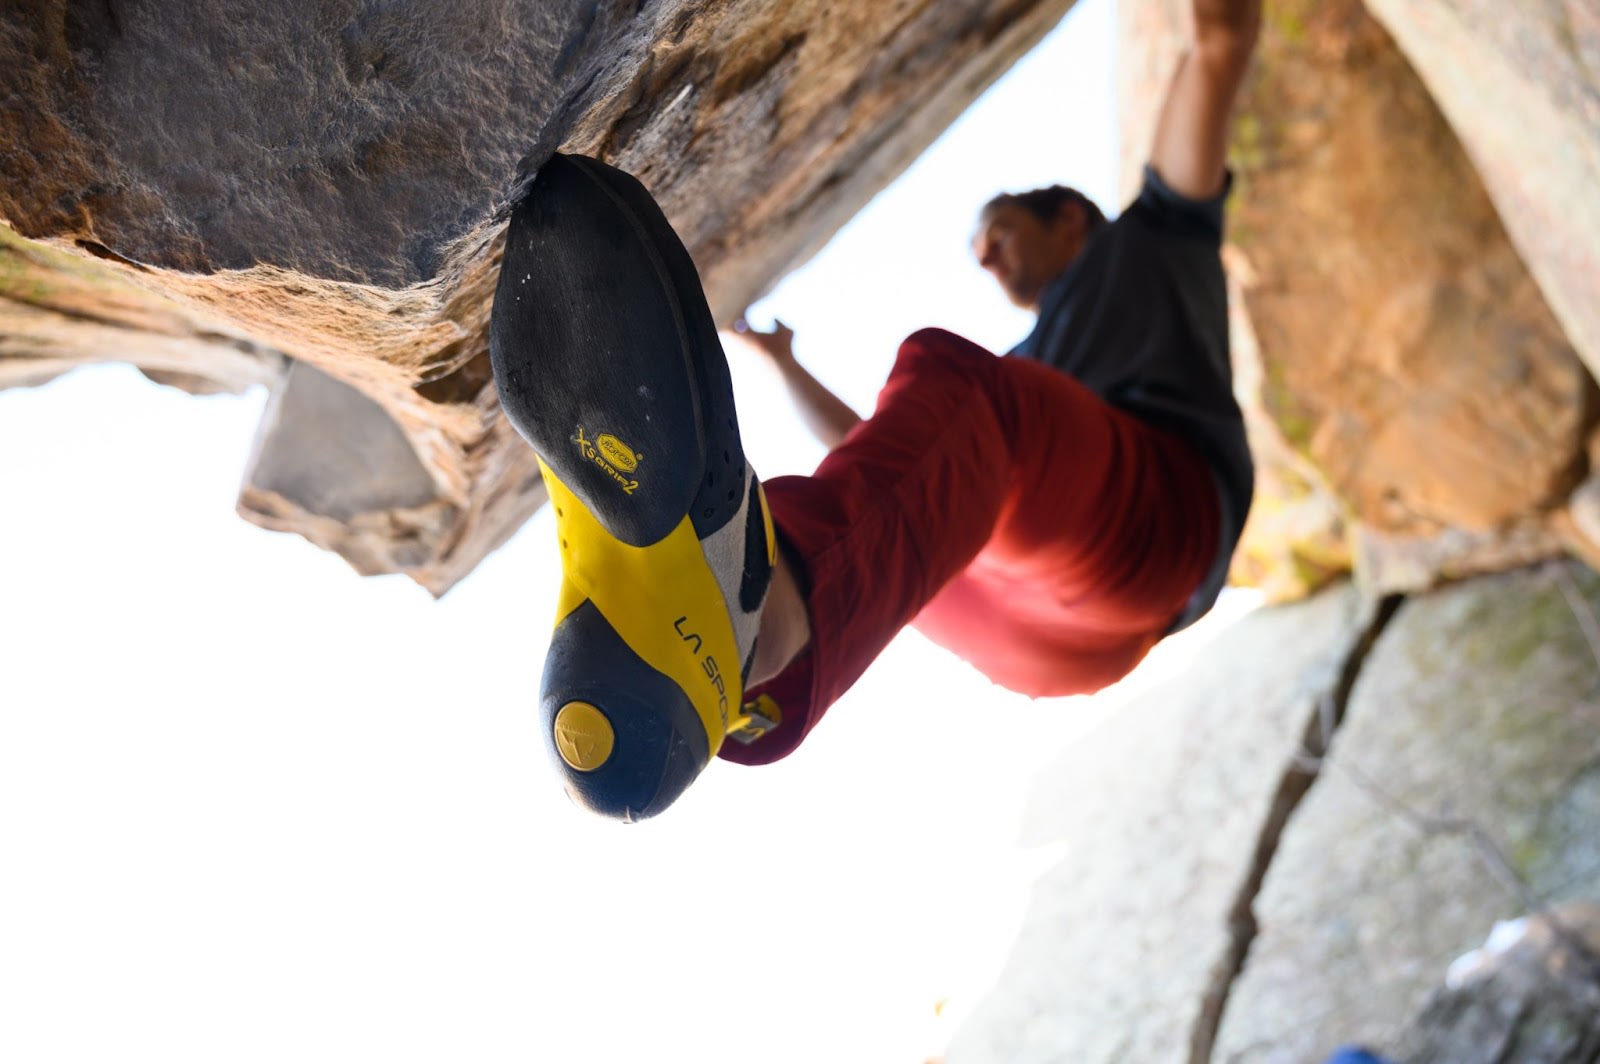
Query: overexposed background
(256, 808)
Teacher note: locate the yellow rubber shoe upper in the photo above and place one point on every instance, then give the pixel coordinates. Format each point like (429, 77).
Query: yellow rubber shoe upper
(663, 600)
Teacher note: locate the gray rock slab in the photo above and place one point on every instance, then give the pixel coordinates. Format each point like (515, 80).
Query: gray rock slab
(1159, 813)
(1473, 731)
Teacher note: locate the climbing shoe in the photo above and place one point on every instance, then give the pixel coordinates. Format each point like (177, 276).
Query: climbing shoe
(607, 361)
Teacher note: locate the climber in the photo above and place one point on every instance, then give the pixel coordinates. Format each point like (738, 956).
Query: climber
(1049, 516)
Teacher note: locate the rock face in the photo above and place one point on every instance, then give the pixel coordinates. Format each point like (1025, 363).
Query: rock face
(1233, 890)
(213, 198)
(1297, 538)
(1404, 349)
(1404, 341)
(1159, 816)
(1464, 788)
(1521, 86)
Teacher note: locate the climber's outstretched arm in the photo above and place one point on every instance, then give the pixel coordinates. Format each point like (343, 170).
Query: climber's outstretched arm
(1192, 133)
(827, 416)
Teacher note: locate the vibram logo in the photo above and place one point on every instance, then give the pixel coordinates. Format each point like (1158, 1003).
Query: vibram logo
(616, 452)
(613, 456)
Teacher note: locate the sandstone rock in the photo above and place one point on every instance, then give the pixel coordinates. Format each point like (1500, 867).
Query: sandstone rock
(1158, 816)
(1407, 350)
(1404, 349)
(59, 310)
(1297, 538)
(1463, 788)
(331, 464)
(1520, 84)
(203, 196)
(379, 341)
(1578, 523)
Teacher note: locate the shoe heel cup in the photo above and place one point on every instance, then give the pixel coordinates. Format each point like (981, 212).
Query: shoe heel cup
(626, 738)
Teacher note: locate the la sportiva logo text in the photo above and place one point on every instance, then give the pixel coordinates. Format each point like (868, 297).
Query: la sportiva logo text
(708, 665)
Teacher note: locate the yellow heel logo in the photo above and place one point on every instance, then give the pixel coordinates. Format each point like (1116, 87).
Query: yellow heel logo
(613, 456)
(584, 737)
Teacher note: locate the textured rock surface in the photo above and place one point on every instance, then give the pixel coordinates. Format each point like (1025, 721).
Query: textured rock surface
(240, 327)
(1470, 734)
(1158, 815)
(59, 310)
(1297, 539)
(331, 464)
(1403, 340)
(1403, 346)
(322, 186)
(1521, 85)
(1387, 563)
(1531, 996)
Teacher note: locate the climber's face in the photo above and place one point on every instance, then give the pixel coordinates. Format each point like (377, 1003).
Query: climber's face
(1024, 252)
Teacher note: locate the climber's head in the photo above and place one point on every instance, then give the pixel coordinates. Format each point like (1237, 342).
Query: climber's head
(1025, 239)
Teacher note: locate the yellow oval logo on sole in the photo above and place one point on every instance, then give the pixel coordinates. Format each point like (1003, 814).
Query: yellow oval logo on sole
(617, 453)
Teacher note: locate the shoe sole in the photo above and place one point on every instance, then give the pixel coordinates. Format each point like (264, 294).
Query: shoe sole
(608, 363)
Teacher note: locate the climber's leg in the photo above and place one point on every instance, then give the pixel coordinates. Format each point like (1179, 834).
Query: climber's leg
(1090, 531)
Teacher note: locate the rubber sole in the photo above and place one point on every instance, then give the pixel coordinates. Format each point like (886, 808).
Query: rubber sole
(608, 363)
(607, 356)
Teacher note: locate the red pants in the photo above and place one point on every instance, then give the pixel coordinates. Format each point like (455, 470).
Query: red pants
(1008, 512)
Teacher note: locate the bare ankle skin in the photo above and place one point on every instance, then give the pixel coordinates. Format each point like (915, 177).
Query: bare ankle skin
(785, 626)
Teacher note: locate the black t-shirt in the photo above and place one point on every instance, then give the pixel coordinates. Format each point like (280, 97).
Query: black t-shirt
(1141, 319)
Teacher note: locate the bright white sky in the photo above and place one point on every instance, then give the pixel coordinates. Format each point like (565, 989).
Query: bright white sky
(255, 808)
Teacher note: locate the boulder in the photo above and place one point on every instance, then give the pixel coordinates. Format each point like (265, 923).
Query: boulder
(1386, 563)
(1463, 788)
(60, 309)
(1406, 349)
(210, 198)
(1520, 84)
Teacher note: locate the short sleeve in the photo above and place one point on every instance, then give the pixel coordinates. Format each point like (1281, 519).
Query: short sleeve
(1169, 210)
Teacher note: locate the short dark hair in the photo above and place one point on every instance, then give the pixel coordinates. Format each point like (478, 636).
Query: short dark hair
(1046, 203)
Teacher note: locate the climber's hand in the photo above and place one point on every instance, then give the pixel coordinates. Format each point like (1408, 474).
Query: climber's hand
(776, 346)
